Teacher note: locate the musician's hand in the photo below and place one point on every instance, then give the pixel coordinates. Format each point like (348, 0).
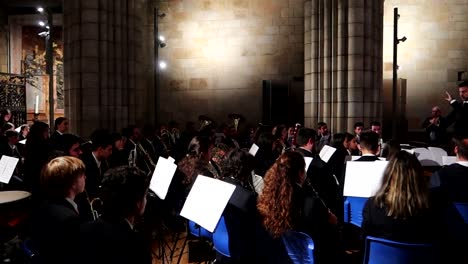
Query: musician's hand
(332, 219)
(448, 97)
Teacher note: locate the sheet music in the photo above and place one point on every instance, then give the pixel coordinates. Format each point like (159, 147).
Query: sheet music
(425, 157)
(363, 179)
(22, 141)
(257, 183)
(448, 160)
(437, 154)
(410, 151)
(171, 159)
(307, 160)
(162, 177)
(326, 153)
(206, 201)
(7, 167)
(253, 149)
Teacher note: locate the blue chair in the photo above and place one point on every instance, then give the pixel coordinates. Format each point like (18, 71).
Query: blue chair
(463, 210)
(29, 251)
(383, 251)
(199, 231)
(353, 207)
(221, 238)
(300, 247)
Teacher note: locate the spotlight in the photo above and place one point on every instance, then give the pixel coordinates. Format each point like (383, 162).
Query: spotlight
(162, 44)
(42, 23)
(43, 34)
(403, 39)
(162, 38)
(162, 65)
(40, 9)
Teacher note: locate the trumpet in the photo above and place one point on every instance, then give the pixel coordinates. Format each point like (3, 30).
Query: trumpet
(94, 212)
(204, 121)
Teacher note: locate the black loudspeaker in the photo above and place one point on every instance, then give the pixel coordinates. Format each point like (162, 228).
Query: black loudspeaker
(275, 102)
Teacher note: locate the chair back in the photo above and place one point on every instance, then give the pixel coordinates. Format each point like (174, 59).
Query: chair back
(198, 231)
(462, 208)
(383, 251)
(353, 207)
(300, 247)
(221, 238)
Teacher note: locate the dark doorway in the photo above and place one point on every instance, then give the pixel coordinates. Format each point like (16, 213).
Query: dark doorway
(283, 102)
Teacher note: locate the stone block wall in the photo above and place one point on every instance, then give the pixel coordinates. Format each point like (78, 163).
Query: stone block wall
(435, 51)
(3, 41)
(218, 53)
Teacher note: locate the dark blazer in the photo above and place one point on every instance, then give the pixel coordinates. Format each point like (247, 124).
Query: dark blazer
(107, 241)
(452, 181)
(55, 227)
(440, 131)
(459, 116)
(416, 229)
(93, 173)
(368, 158)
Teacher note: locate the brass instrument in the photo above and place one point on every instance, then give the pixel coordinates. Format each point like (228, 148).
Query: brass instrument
(236, 118)
(94, 212)
(146, 157)
(204, 121)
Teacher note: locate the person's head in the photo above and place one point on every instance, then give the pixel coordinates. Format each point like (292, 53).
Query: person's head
(238, 164)
(436, 112)
(280, 132)
(24, 130)
(102, 144)
(461, 148)
(8, 126)
(123, 192)
(12, 137)
(306, 138)
(70, 145)
(358, 126)
(404, 190)
(376, 127)
(350, 142)
(199, 146)
(275, 202)
(63, 177)
(322, 128)
(391, 148)
(38, 132)
(61, 125)
(218, 152)
(338, 140)
(5, 115)
(132, 132)
(463, 90)
(369, 142)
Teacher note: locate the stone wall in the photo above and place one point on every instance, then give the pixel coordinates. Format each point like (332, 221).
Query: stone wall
(435, 51)
(218, 53)
(3, 41)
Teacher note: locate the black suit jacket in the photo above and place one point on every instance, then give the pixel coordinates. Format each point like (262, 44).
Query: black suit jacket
(452, 181)
(112, 241)
(55, 230)
(368, 158)
(459, 116)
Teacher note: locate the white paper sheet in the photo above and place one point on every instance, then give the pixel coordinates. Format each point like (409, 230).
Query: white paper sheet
(257, 183)
(162, 177)
(22, 141)
(7, 167)
(171, 159)
(410, 151)
(425, 157)
(326, 153)
(253, 149)
(437, 154)
(206, 201)
(448, 160)
(363, 179)
(307, 160)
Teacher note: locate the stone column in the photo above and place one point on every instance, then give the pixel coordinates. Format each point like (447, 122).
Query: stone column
(343, 62)
(105, 64)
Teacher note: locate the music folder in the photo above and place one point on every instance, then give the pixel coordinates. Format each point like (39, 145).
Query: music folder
(363, 179)
(162, 177)
(7, 167)
(206, 201)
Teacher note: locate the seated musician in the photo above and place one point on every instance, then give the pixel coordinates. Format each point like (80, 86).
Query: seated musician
(55, 223)
(112, 238)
